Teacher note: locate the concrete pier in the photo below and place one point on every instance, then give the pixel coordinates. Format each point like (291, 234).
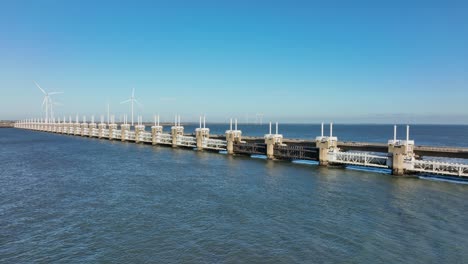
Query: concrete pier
(202, 134)
(92, 128)
(139, 129)
(124, 129)
(176, 131)
(156, 131)
(402, 154)
(77, 129)
(112, 128)
(101, 128)
(272, 140)
(232, 137)
(326, 145)
(84, 128)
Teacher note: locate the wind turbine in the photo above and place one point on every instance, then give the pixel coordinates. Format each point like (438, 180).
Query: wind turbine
(259, 117)
(132, 100)
(47, 102)
(51, 105)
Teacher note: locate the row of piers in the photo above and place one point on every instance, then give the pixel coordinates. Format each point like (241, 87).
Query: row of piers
(400, 156)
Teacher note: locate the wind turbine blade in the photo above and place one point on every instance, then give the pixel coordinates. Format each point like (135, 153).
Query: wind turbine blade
(136, 101)
(40, 88)
(44, 102)
(52, 93)
(126, 101)
(133, 92)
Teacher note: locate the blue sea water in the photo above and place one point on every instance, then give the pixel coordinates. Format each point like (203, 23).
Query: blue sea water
(66, 199)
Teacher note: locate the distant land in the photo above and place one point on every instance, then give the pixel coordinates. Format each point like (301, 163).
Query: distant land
(4, 124)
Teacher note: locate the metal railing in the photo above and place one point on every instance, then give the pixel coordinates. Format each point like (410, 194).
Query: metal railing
(214, 144)
(437, 167)
(359, 159)
(186, 141)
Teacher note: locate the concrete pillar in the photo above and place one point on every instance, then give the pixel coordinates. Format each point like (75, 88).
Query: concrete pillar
(92, 127)
(138, 130)
(77, 130)
(271, 140)
(101, 128)
(84, 127)
(112, 127)
(69, 128)
(176, 131)
(202, 134)
(124, 128)
(326, 145)
(401, 152)
(232, 137)
(156, 131)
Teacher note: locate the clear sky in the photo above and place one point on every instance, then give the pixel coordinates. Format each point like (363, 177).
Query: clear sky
(293, 61)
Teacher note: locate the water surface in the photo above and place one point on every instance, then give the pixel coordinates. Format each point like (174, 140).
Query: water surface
(79, 200)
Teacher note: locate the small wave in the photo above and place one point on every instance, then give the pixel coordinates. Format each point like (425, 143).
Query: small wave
(444, 179)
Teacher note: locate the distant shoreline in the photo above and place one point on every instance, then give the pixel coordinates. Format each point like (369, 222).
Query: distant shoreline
(6, 124)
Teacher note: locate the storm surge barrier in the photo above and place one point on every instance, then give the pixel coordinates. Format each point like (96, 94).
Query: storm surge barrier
(402, 157)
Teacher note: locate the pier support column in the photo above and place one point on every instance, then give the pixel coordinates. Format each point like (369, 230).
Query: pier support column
(325, 146)
(124, 128)
(112, 127)
(232, 137)
(400, 157)
(401, 153)
(91, 129)
(156, 131)
(271, 140)
(202, 134)
(138, 130)
(84, 127)
(101, 128)
(77, 130)
(176, 131)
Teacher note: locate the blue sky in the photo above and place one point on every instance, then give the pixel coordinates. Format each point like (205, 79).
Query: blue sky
(293, 61)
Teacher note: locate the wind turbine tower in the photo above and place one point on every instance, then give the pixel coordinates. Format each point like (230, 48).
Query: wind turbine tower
(132, 100)
(47, 103)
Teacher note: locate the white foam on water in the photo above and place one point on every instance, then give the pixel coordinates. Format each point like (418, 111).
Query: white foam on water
(369, 169)
(306, 162)
(259, 156)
